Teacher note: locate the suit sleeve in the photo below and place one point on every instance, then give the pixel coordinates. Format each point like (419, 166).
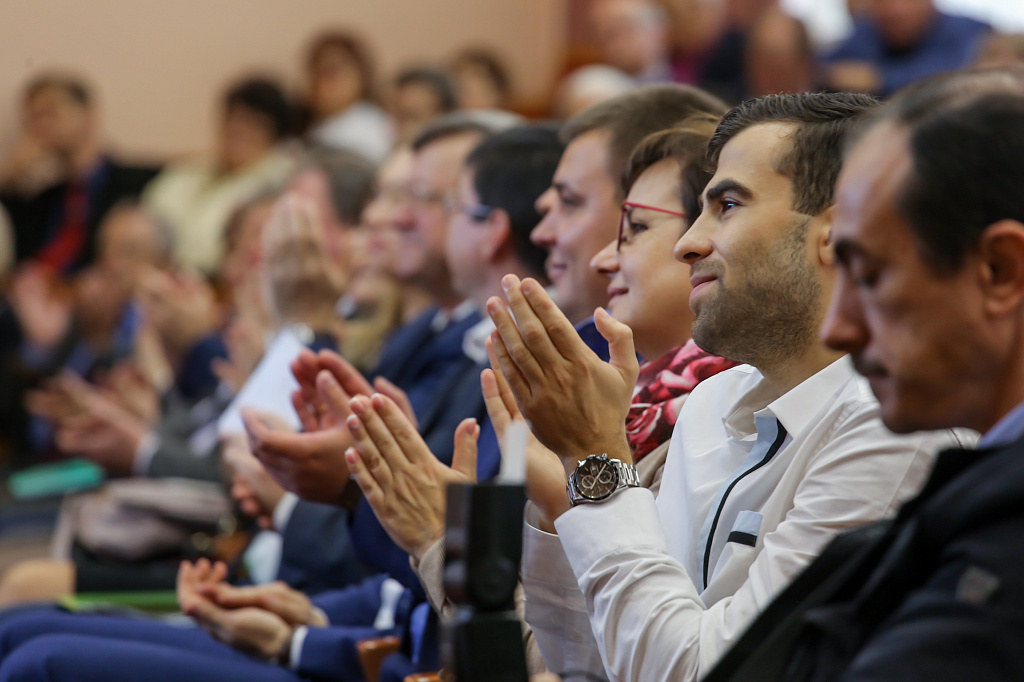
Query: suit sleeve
(317, 552)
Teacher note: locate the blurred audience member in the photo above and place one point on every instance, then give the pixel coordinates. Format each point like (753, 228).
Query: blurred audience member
(634, 37)
(779, 57)
(342, 97)
(587, 86)
(339, 184)
(94, 325)
(420, 94)
(59, 183)
(375, 302)
(481, 79)
(1002, 49)
(197, 197)
(724, 69)
(895, 42)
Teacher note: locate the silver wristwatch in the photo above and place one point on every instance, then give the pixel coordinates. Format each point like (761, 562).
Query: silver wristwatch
(597, 477)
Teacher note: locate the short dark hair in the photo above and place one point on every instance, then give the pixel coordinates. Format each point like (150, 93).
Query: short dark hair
(686, 144)
(264, 97)
(510, 170)
(73, 86)
(822, 120)
(461, 122)
(966, 140)
(491, 64)
(632, 116)
(436, 80)
(357, 51)
(350, 177)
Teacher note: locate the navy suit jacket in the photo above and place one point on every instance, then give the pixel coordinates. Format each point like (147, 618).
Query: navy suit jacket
(317, 552)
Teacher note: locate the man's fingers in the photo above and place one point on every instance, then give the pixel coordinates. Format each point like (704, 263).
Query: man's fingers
(231, 597)
(502, 383)
(560, 332)
(366, 481)
(621, 351)
(509, 369)
(464, 459)
(406, 437)
(400, 397)
(500, 418)
(332, 396)
(516, 349)
(302, 409)
(531, 326)
(369, 452)
(347, 375)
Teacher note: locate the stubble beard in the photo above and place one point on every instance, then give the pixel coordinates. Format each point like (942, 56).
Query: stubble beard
(772, 314)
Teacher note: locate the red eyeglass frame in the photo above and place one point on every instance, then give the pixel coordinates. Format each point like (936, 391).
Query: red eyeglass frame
(626, 205)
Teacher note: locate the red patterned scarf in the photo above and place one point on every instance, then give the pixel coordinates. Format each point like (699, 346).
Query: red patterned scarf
(661, 389)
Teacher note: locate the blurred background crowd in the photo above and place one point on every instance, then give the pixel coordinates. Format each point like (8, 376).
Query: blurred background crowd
(142, 150)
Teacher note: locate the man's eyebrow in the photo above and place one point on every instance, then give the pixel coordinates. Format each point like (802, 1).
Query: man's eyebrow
(719, 188)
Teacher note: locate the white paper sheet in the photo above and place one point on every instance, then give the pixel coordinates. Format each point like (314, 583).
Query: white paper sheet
(270, 387)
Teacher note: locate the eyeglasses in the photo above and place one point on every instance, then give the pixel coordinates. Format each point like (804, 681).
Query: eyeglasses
(627, 233)
(420, 197)
(477, 213)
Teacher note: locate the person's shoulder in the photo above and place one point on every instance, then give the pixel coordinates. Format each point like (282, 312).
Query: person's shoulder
(963, 24)
(130, 178)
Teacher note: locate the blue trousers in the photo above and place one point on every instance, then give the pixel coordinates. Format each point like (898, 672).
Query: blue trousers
(48, 644)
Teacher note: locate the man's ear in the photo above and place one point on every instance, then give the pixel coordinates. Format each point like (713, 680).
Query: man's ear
(1001, 267)
(822, 234)
(499, 235)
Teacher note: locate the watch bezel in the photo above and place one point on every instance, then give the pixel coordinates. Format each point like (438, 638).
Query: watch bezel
(616, 480)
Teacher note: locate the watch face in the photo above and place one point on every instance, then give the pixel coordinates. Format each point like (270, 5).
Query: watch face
(596, 478)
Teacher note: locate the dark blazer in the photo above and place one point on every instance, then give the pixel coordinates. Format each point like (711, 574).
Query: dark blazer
(935, 594)
(34, 218)
(317, 554)
(418, 359)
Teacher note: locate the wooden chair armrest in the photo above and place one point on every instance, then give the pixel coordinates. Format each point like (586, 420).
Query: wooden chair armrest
(372, 653)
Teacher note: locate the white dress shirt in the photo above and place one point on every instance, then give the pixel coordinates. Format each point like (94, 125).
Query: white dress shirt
(742, 502)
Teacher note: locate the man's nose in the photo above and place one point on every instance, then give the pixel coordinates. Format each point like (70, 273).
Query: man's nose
(694, 244)
(843, 328)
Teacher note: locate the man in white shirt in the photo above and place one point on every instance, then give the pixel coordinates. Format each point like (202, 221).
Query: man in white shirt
(767, 462)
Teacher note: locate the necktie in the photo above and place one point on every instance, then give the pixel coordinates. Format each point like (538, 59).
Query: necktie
(64, 250)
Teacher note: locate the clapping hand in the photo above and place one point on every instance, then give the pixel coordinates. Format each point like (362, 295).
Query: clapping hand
(576, 403)
(400, 477)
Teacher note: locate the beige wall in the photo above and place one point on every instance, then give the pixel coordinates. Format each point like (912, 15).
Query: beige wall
(159, 65)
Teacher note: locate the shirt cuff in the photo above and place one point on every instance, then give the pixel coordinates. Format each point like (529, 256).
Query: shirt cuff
(544, 560)
(283, 511)
(590, 532)
(144, 453)
(430, 571)
(295, 653)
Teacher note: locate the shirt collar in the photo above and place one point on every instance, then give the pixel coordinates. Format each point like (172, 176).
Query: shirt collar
(474, 342)
(1006, 430)
(794, 409)
(443, 317)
